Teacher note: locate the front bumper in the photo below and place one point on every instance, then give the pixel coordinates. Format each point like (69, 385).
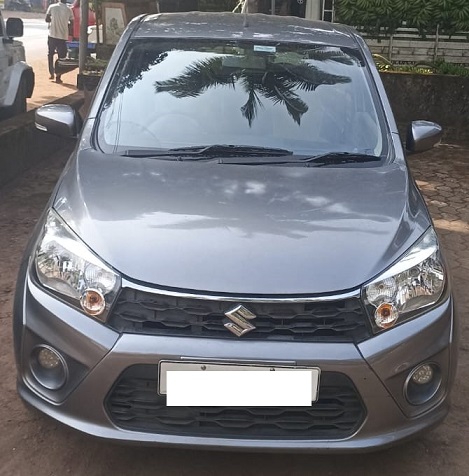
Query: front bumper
(97, 357)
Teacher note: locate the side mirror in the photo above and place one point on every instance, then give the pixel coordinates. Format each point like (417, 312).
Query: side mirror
(14, 27)
(422, 135)
(58, 119)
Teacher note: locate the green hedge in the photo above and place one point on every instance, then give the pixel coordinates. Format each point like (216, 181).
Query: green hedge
(385, 16)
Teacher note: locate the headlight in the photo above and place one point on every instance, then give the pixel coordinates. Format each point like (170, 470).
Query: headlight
(415, 282)
(65, 265)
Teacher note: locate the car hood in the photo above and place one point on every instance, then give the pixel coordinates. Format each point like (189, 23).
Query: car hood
(241, 229)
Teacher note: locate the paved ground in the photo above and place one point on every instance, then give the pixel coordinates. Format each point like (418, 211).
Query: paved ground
(32, 444)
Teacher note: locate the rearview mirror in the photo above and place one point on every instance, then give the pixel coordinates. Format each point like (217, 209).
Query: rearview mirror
(422, 135)
(14, 27)
(58, 119)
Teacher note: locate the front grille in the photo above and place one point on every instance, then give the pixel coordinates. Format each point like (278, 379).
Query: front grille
(134, 404)
(159, 314)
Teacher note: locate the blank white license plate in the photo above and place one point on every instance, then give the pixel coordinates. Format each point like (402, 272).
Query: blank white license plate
(209, 384)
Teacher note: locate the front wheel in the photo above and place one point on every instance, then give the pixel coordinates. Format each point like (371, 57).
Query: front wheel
(19, 105)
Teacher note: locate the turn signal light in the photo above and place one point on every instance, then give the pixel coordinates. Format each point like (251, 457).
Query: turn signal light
(386, 315)
(93, 302)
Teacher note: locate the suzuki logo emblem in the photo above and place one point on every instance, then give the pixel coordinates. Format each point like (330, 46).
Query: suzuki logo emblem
(239, 317)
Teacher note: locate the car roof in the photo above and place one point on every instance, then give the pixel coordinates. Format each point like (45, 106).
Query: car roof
(231, 26)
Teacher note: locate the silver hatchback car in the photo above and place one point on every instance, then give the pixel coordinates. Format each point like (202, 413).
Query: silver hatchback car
(237, 228)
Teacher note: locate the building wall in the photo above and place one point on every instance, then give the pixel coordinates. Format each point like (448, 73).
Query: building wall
(313, 9)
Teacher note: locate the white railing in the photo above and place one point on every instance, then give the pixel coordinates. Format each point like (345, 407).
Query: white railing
(407, 46)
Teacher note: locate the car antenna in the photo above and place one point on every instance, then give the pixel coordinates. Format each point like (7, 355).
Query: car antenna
(246, 11)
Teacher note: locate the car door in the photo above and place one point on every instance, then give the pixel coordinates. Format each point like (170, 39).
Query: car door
(11, 52)
(6, 62)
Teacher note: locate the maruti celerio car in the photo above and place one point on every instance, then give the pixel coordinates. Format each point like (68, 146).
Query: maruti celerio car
(238, 201)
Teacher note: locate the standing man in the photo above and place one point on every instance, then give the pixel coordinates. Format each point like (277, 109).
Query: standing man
(59, 16)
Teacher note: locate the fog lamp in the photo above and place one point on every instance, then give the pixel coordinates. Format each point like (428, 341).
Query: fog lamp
(48, 367)
(423, 374)
(423, 383)
(93, 302)
(386, 315)
(48, 358)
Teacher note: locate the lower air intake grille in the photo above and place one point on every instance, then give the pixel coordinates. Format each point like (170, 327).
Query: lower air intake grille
(135, 405)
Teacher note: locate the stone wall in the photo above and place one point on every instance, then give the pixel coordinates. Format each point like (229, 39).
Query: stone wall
(439, 98)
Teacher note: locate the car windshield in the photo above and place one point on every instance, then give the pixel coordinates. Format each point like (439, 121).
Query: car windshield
(305, 99)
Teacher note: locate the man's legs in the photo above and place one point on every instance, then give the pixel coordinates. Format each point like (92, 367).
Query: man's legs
(50, 55)
(61, 46)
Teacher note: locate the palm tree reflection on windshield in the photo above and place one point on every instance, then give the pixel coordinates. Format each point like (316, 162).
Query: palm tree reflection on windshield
(131, 75)
(278, 81)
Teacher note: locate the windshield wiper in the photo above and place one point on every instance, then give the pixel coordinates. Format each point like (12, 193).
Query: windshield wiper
(209, 151)
(333, 158)
(321, 160)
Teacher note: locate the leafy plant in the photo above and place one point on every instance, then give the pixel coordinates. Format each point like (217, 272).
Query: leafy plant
(382, 63)
(438, 67)
(442, 67)
(383, 17)
(95, 66)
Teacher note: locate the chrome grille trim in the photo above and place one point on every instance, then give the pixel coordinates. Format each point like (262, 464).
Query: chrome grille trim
(355, 293)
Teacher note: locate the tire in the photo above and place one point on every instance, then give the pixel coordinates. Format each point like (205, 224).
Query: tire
(19, 105)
